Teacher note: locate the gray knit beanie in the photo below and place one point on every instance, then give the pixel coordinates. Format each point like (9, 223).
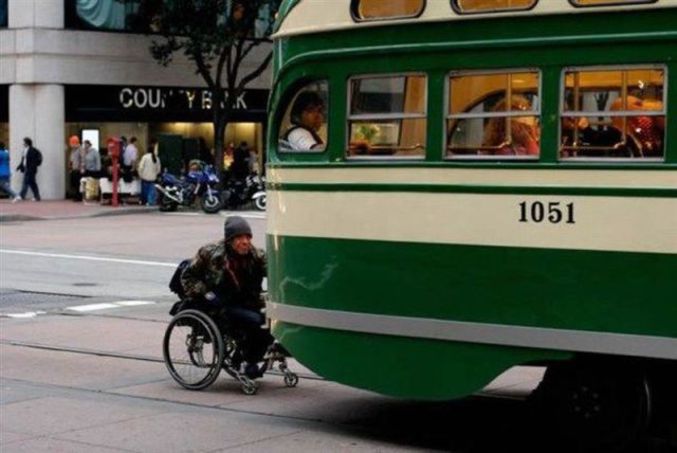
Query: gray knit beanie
(236, 226)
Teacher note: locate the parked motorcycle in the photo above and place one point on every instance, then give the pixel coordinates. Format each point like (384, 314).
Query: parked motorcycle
(198, 184)
(239, 192)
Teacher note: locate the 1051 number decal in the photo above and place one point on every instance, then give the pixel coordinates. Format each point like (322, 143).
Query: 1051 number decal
(551, 212)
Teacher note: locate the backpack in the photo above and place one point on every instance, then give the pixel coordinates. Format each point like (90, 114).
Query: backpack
(175, 285)
(38, 157)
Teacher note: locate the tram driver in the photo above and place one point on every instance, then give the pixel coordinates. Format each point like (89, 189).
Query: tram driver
(307, 118)
(227, 276)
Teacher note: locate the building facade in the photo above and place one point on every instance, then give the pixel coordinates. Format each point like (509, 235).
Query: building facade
(83, 67)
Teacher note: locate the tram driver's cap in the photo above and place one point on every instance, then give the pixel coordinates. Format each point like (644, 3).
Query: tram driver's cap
(236, 226)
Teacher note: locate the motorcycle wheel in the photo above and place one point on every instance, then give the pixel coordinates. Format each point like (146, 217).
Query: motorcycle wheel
(167, 205)
(210, 205)
(260, 203)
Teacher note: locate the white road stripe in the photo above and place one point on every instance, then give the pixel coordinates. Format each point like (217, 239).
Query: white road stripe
(28, 314)
(91, 307)
(134, 303)
(122, 303)
(83, 308)
(88, 258)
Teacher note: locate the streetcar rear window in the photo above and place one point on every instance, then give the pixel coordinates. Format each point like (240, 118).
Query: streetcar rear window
(613, 113)
(608, 2)
(304, 125)
(363, 10)
(494, 115)
(387, 116)
(487, 6)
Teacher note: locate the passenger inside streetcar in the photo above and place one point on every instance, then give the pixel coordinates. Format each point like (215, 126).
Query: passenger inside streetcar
(307, 118)
(523, 137)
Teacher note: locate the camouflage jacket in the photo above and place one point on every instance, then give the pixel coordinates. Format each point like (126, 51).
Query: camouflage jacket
(235, 280)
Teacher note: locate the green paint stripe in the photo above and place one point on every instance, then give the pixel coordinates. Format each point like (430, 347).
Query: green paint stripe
(507, 166)
(517, 190)
(445, 47)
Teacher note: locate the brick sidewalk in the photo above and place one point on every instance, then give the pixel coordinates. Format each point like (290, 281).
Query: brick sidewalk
(62, 209)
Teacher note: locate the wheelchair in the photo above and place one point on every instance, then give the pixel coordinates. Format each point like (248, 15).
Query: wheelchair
(195, 351)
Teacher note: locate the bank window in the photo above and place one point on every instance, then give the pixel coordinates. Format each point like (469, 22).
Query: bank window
(304, 125)
(488, 6)
(387, 116)
(613, 113)
(608, 2)
(494, 115)
(364, 10)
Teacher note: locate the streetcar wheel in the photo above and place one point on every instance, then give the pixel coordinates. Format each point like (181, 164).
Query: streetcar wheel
(602, 406)
(193, 349)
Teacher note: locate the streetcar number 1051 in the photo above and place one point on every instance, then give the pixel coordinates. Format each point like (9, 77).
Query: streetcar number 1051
(551, 212)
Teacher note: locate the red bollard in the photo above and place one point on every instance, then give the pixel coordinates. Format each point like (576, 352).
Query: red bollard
(114, 150)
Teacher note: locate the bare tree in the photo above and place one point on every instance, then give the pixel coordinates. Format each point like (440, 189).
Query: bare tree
(218, 36)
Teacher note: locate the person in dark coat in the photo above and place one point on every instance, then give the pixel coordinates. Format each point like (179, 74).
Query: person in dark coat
(227, 276)
(30, 161)
(239, 169)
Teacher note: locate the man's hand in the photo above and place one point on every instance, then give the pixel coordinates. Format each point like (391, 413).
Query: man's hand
(211, 299)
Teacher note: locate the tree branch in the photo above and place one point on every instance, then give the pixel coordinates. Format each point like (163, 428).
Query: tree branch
(257, 72)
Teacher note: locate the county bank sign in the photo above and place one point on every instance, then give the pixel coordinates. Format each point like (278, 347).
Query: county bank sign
(159, 98)
(144, 103)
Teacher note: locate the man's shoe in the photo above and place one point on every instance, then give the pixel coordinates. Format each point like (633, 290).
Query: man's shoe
(15, 199)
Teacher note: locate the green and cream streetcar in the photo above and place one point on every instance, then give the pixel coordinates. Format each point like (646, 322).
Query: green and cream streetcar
(468, 185)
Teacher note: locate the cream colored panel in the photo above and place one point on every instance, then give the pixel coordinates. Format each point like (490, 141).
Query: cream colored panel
(601, 223)
(489, 177)
(319, 16)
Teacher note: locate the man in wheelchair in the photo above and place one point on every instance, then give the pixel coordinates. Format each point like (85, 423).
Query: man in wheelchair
(226, 278)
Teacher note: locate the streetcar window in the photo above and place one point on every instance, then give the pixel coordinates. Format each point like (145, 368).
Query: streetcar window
(304, 125)
(387, 116)
(614, 113)
(493, 115)
(608, 2)
(488, 6)
(363, 10)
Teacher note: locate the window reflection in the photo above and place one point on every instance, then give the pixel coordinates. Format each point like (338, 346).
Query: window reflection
(387, 116)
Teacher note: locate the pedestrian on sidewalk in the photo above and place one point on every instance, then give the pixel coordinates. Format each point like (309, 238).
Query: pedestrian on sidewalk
(31, 159)
(75, 167)
(6, 174)
(149, 169)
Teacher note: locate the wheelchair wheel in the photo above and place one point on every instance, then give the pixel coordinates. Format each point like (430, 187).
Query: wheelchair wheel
(193, 349)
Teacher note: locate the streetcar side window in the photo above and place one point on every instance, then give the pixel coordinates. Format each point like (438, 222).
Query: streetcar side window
(304, 125)
(387, 116)
(367, 10)
(613, 113)
(490, 6)
(609, 2)
(493, 115)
